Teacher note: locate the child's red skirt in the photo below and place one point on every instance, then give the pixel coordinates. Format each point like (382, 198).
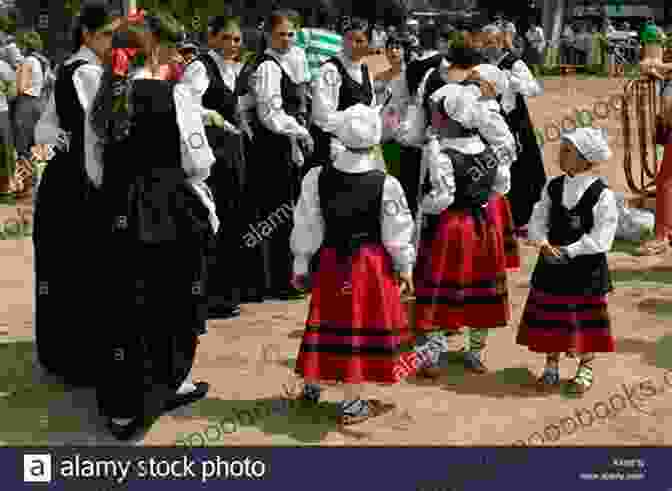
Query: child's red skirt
(460, 275)
(357, 329)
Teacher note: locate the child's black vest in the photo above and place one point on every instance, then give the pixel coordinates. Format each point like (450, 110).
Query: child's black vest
(585, 274)
(351, 206)
(350, 94)
(474, 174)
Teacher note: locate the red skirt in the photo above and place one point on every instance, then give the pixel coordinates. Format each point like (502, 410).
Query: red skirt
(460, 274)
(558, 324)
(505, 222)
(357, 330)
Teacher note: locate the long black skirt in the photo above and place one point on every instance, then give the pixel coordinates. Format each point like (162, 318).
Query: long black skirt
(26, 113)
(528, 176)
(67, 259)
(409, 175)
(275, 181)
(227, 182)
(156, 289)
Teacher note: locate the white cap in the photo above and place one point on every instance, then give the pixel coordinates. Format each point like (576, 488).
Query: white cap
(461, 103)
(492, 28)
(509, 27)
(591, 143)
(361, 127)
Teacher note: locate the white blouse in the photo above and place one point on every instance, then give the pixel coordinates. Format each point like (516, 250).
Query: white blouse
(521, 81)
(326, 90)
(605, 213)
(48, 130)
(396, 219)
(268, 93)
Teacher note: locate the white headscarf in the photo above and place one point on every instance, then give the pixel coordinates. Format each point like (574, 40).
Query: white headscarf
(461, 103)
(491, 28)
(591, 143)
(361, 127)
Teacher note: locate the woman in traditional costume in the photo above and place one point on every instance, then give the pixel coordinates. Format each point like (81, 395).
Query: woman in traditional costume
(574, 224)
(161, 222)
(356, 331)
(281, 143)
(461, 268)
(212, 77)
(344, 81)
(67, 275)
(528, 176)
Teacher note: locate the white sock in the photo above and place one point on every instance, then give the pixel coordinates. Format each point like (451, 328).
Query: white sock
(122, 421)
(186, 387)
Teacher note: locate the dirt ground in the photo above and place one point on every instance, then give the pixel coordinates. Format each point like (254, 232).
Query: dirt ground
(249, 360)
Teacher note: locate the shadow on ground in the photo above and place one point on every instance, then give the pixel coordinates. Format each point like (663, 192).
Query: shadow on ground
(302, 422)
(507, 382)
(37, 409)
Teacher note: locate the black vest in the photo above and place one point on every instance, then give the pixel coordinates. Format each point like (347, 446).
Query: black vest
(586, 274)
(70, 113)
(218, 96)
(351, 206)
(293, 95)
(350, 94)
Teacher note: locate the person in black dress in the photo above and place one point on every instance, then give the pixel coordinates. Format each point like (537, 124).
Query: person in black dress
(344, 81)
(67, 268)
(161, 222)
(281, 142)
(212, 77)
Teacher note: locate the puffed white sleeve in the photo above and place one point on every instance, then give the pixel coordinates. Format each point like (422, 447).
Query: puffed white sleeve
(86, 80)
(539, 221)
(413, 126)
(397, 226)
(48, 129)
(196, 78)
(269, 102)
(601, 237)
(197, 156)
(326, 90)
(522, 80)
(493, 128)
(308, 231)
(442, 179)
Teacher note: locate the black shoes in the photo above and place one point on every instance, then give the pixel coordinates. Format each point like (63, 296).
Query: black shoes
(199, 393)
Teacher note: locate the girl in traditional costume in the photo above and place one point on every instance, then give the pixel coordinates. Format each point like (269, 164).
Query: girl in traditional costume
(161, 222)
(212, 77)
(281, 143)
(574, 224)
(461, 268)
(356, 329)
(66, 275)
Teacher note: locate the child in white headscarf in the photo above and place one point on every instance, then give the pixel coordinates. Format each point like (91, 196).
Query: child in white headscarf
(574, 223)
(356, 327)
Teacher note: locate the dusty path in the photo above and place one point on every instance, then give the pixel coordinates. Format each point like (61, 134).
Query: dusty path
(249, 360)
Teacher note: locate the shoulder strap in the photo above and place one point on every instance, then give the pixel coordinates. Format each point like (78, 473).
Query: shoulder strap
(592, 195)
(555, 189)
(508, 61)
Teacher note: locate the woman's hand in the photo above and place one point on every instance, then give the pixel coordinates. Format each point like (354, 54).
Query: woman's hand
(406, 286)
(548, 250)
